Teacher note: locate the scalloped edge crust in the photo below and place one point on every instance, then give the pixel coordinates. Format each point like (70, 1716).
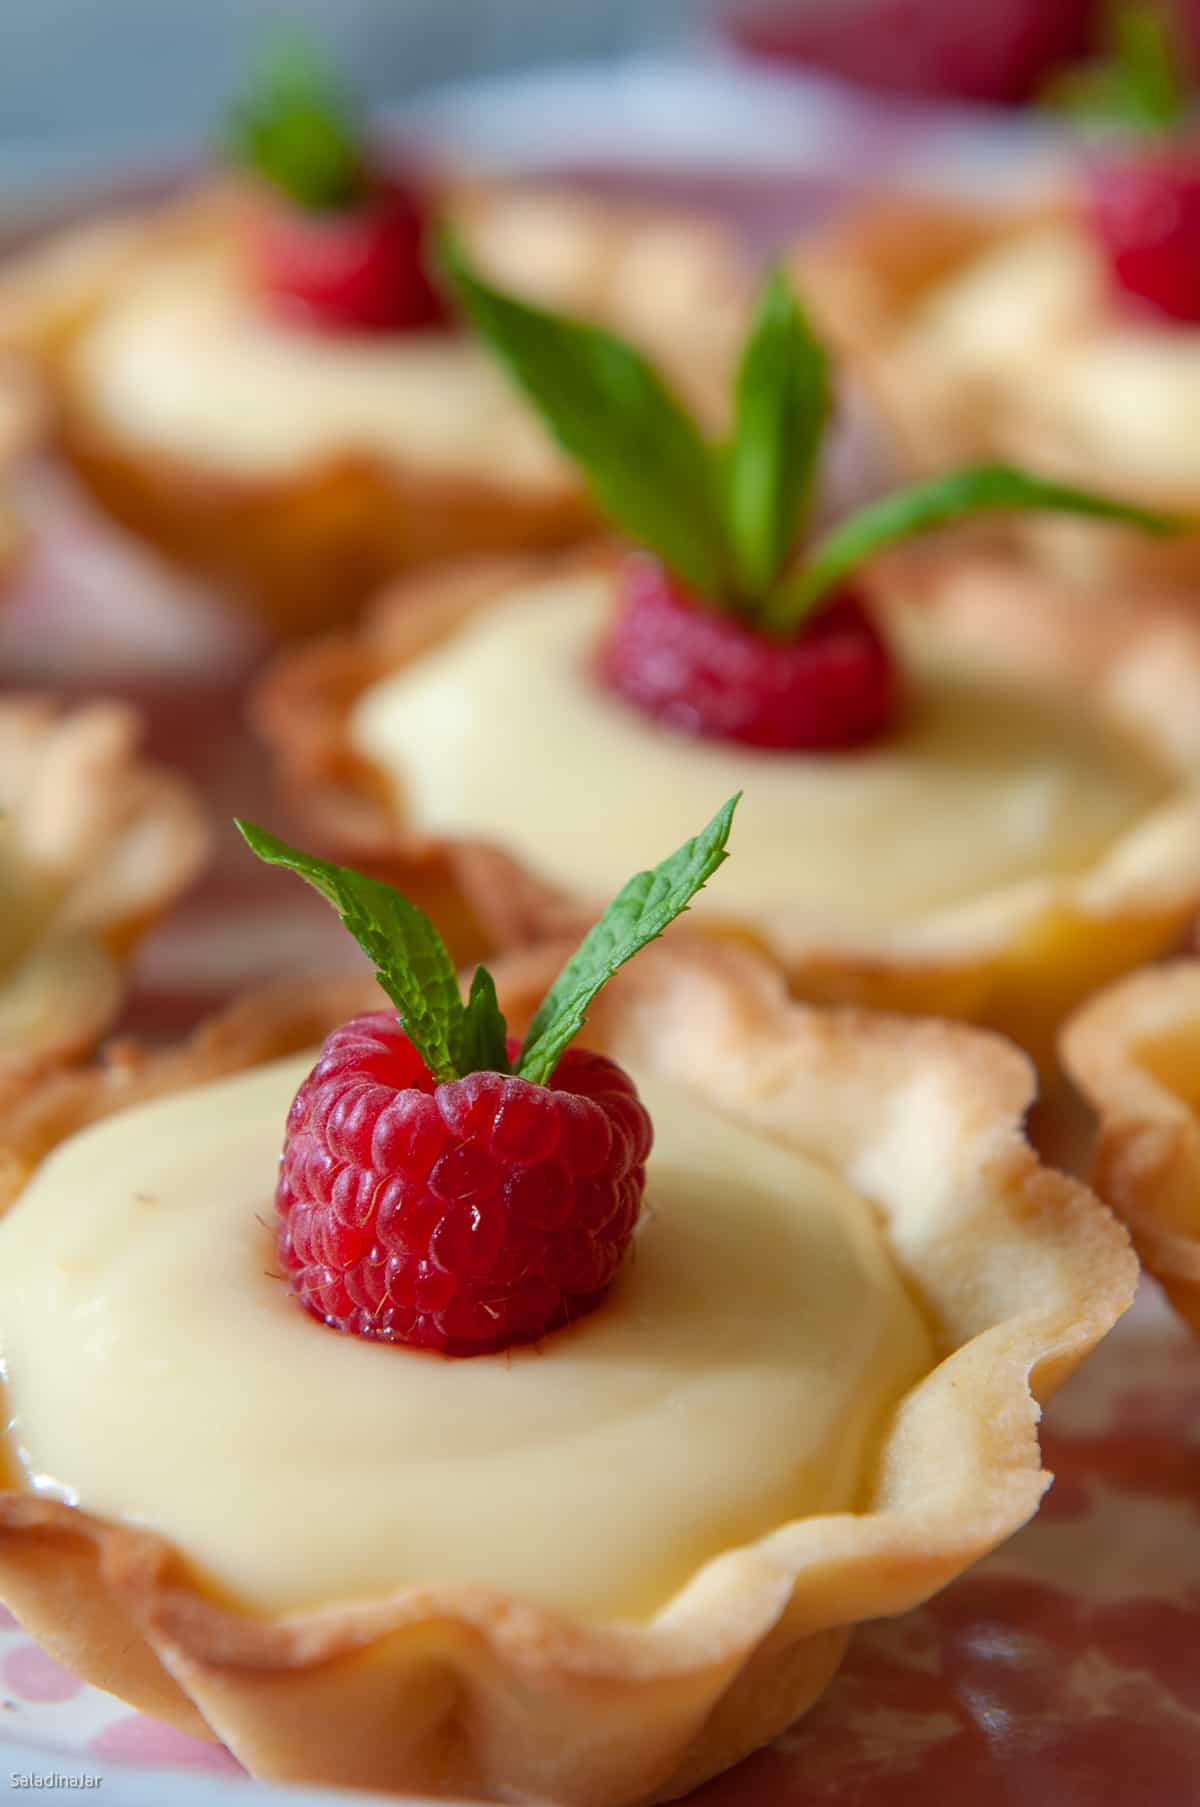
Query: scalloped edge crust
(1139, 663)
(457, 1689)
(1146, 1162)
(863, 278)
(118, 835)
(301, 547)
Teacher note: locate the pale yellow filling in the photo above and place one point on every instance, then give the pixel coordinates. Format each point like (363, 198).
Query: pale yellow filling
(182, 360)
(156, 1370)
(502, 732)
(1036, 323)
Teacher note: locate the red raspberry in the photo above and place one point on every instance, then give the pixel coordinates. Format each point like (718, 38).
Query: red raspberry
(348, 269)
(460, 1217)
(701, 670)
(1146, 212)
(995, 51)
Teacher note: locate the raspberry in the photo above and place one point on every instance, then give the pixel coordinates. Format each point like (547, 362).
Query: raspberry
(460, 1217)
(1146, 213)
(701, 670)
(996, 51)
(348, 269)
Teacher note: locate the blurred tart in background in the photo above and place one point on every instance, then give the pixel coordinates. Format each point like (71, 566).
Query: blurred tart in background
(1134, 1052)
(963, 794)
(1063, 333)
(95, 842)
(263, 380)
(251, 1503)
(22, 427)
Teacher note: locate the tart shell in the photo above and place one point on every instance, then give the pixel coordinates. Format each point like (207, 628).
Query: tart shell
(864, 279)
(1140, 665)
(459, 1690)
(305, 546)
(114, 838)
(1134, 1052)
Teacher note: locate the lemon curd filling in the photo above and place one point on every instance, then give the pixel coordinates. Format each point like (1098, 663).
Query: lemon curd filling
(984, 788)
(182, 360)
(157, 1371)
(1036, 320)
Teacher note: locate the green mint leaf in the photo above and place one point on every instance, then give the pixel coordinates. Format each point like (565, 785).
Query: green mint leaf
(295, 129)
(1140, 81)
(1147, 59)
(411, 961)
(987, 488)
(649, 468)
(482, 1046)
(643, 909)
(783, 402)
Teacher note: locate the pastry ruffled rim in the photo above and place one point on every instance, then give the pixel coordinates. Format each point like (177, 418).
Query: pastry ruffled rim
(1137, 663)
(866, 275)
(89, 799)
(1146, 1162)
(925, 1118)
(353, 517)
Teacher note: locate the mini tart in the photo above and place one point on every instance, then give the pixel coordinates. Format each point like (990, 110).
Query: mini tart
(303, 469)
(1134, 1052)
(997, 335)
(94, 843)
(22, 426)
(1012, 1272)
(1059, 911)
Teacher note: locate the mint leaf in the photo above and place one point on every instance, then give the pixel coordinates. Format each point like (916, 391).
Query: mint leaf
(1139, 81)
(642, 910)
(936, 503)
(783, 401)
(482, 1046)
(649, 468)
(1147, 63)
(295, 129)
(411, 961)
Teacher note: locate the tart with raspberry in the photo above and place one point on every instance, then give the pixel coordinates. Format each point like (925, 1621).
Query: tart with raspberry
(264, 382)
(1063, 332)
(1134, 1053)
(963, 795)
(95, 842)
(577, 1396)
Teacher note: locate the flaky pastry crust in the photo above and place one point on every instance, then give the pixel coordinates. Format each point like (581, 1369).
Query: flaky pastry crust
(306, 545)
(97, 841)
(1019, 968)
(867, 277)
(1134, 1052)
(1018, 1270)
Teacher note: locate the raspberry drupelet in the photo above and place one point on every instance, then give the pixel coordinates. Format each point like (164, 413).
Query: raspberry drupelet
(464, 1216)
(442, 1185)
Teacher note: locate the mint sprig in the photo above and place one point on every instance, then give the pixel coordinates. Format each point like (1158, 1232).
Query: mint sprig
(296, 130)
(726, 518)
(483, 1043)
(411, 961)
(415, 969)
(1139, 81)
(645, 458)
(782, 405)
(987, 488)
(638, 914)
